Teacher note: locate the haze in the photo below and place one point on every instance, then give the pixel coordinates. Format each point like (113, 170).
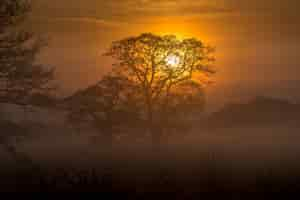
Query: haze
(257, 43)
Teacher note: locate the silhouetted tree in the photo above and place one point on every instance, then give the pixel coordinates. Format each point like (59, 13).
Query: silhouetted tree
(186, 102)
(107, 105)
(22, 80)
(21, 77)
(159, 65)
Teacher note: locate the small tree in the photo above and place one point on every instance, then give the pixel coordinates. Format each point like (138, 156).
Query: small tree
(160, 65)
(107, 105)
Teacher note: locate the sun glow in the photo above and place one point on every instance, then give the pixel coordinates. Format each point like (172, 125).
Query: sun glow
(173, 60)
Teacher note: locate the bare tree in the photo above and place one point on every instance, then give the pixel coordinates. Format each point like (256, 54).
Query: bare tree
(159, 65)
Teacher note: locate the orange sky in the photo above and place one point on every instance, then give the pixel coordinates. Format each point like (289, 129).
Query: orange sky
(256, 40)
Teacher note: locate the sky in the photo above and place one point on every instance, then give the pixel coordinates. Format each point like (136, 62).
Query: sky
(256, 41)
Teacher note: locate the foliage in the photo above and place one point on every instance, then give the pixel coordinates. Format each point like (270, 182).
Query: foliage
(22, 80)
(108, 104)
(155, 81)
(20, 75)
(169, 73)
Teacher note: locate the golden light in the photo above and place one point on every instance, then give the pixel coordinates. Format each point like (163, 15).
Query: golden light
(173, 60)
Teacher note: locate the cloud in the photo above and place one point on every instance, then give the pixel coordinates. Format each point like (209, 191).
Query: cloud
(271, 17)
(124, 9)
(93, 20)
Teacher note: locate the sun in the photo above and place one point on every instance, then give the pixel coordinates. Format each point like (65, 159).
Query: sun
(173, 60)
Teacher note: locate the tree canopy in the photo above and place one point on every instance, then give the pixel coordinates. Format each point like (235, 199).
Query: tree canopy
(107, 105)
(21, 77)
(154, 82)
(161, 66)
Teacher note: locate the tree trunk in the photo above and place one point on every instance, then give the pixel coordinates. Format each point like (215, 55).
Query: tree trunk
(156, 132)
(150, 124)
(153, 126)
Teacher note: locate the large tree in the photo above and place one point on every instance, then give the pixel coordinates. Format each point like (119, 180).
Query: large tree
(22, 80)
(21, 77)
(160, 66)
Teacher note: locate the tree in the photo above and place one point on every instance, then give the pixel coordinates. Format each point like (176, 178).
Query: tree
(107, 104)
(160, 65)
(21, 77)
(22, 80)
(184, 103)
